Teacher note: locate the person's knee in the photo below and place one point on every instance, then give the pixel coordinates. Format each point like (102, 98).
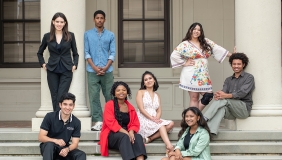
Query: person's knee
(170, 125)
(194, 97)
(47, 146)
(138, 137)
(207, 97)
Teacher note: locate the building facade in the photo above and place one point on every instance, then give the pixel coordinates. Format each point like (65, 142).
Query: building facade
(146, 33)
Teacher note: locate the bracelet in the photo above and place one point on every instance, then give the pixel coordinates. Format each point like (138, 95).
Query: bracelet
(69, 148)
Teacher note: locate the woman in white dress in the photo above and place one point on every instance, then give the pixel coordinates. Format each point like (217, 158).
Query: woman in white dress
(192, 54)
(150, 111)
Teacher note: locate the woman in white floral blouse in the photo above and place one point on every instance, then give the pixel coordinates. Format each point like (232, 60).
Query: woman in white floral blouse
(192, 54)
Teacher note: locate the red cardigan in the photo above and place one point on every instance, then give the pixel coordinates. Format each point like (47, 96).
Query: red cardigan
(111, 124)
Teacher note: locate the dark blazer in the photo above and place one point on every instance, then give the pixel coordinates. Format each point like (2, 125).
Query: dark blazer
(55, 55)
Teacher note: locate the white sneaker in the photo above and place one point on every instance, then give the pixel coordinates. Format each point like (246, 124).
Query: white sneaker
(97, 126)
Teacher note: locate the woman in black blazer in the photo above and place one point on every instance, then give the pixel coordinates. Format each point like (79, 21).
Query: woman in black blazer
(61, 62)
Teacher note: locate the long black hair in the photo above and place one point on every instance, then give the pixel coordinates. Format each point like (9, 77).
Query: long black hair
(116, 107)
(156, 85)
(203, 43)
(66, 34)
(202, 122)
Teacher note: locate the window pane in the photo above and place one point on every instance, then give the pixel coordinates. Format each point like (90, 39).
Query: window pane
(132, 52)
(30, 52)
(132, 9)
(154, 30)
(32, 9)
(154, 52)
(132, 30)
(13, 53)
(13, 31)
(12, 9)
(154, 9)
(32, 31)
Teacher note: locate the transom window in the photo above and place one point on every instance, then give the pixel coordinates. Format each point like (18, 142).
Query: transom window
(143, 33)
(20, 28)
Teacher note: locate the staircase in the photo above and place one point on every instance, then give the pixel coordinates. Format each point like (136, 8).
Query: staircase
(22, 144)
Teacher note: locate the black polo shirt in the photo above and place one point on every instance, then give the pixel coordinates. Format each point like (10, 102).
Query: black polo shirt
(56, 127)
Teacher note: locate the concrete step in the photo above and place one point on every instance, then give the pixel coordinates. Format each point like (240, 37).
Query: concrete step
(30, 148)
(25, 134)
(246, 157)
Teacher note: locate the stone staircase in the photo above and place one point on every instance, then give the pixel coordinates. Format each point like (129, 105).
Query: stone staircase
(22, 144)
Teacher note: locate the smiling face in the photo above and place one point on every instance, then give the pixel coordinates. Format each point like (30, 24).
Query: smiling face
(196, 32)
(237, 66)
(149, 81)
(99, 20)
(59, 23)
(67, 106)
(121, 92)
(191, 119)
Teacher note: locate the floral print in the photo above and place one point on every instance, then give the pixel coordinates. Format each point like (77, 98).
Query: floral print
(196, 78)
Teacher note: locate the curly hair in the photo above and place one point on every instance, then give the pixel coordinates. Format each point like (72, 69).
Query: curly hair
(241, 56)
(156, 84)
(202, 122)
(116, 107)
(203, 43)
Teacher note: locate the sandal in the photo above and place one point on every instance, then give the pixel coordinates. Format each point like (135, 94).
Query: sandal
(146, 140)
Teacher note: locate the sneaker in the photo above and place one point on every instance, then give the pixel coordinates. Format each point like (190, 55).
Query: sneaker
(97, 126)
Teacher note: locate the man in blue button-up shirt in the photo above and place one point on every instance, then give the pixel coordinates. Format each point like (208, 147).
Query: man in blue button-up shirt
(100, 51)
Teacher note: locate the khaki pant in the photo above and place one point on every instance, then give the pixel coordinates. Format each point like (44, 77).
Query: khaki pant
(226, 108)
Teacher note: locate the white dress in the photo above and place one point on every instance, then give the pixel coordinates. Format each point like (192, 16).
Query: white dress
(196, 78)
(147, 126)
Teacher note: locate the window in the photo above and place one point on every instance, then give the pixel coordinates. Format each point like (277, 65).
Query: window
(143, 34)
(20, 38)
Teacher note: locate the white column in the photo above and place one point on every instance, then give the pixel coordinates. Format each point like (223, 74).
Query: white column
(74, 11)
(258, 34)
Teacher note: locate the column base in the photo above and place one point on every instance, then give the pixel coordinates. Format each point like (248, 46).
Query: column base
(85, 123)
(259, 123)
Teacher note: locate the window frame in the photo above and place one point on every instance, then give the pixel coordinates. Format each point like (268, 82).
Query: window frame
(23, 42)
(166, 20)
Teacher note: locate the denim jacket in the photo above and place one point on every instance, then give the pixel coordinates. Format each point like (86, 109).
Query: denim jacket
(199, 145)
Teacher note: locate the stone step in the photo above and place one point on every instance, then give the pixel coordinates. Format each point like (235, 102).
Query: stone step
(25, 134)
(90, 148)
(246, 157)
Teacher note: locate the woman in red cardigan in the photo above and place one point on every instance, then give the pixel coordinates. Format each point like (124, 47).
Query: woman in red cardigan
(120, 126)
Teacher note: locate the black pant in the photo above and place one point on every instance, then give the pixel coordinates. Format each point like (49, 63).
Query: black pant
(120, 141)
(59, 83)
(50, 151)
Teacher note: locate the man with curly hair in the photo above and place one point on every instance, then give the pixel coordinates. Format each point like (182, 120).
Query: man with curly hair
(235, 99)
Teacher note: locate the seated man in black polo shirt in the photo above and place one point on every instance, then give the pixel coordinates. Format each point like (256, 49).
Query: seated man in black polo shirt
(235, 99)
(57, 129)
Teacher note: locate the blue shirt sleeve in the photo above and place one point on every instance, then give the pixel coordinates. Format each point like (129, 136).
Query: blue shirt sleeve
(86, 47)
(112, 48)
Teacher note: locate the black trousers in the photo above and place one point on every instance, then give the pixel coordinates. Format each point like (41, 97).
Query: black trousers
(50, 151)
(59, 83)
(120, 141)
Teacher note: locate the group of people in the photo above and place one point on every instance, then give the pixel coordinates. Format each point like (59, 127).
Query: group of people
(122, 127)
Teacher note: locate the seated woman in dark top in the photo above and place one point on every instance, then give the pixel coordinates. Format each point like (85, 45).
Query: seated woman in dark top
(120, 126)
(194, 137)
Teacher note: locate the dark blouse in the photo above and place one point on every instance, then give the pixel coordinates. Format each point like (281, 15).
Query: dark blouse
(125, 119)
(187, 140)
(60, 67)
